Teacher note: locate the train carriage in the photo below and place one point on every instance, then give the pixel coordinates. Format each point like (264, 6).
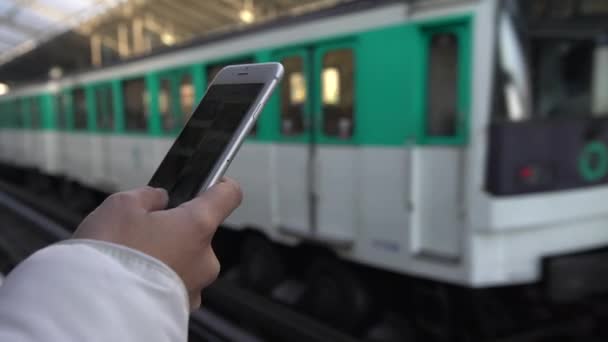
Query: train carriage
(28, 131)
(432, 139)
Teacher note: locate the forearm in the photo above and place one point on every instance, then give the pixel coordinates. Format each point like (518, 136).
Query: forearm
(84, 290)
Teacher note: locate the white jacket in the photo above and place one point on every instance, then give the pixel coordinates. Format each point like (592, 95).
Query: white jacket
(85, 290)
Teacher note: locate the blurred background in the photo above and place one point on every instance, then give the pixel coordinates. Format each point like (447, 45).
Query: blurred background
(428, 170)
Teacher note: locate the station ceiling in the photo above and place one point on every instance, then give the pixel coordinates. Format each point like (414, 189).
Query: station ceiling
(43, 38)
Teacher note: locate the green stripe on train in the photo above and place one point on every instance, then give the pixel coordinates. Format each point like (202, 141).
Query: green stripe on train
(391, 71)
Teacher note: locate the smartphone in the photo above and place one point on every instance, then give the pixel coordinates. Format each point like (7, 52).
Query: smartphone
(210, 139)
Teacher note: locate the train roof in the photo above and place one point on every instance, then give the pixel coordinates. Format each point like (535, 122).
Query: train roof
(341, 9)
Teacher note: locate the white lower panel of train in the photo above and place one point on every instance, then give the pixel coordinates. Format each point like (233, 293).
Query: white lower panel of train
(32, 149)
(408, 210)
(12, 147)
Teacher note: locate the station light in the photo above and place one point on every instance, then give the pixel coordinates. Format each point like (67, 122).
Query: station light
(55, 72)
(167, 38)
(3, 88)
(246, 14)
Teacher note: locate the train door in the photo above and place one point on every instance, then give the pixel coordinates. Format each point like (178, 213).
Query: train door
(16, 145)
(62, 104)
(438, 175)
(23, 124)
(315, 159)
(130, 148)
(31, 125)
(295, 148)
(44, 141)
(31, 112)
(103, 112)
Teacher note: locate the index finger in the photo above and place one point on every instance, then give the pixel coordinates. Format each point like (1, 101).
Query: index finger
(149, 198)
(217, 203)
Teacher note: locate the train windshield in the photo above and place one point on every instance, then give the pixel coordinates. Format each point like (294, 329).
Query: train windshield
(553, 59)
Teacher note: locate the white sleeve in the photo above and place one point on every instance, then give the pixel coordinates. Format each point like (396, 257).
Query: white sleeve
(85, 290)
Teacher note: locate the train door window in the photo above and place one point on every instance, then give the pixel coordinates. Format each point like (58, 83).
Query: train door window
(136, 100)
(3, 115)
(293, 96)
(165, 105)
(104, 105)
(61, 101)
(35, 114)
(80, 109)
(186, 96)
(337, 93)
(442, 86)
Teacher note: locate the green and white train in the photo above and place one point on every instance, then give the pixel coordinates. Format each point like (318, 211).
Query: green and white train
(462, 142)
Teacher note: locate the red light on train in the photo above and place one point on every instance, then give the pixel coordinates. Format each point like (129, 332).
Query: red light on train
(527, 173)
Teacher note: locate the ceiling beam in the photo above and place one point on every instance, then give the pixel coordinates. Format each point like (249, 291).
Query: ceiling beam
(235, 4)
(8, 18)
(8, 40)
(218, 8)
(127, 10)
(200, 19)
(21, 29)
(179, 16)
(48, 12)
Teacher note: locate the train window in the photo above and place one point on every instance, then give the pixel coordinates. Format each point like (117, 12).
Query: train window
(136, 104)
(80, 109)
(337, 90)
(442, 89)
(18, 116)
(4, 122)
(212, 71)
(165, 105)
(293, 96)
(9, 115)
(186, 96)
(6, 115)
(35, 114)
(104, 105)
(61, 105)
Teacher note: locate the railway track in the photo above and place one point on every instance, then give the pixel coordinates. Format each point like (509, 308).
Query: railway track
(48, 221)
(231, 313)
(25, 230)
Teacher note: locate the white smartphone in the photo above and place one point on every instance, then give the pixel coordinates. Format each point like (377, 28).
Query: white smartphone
(214, 133)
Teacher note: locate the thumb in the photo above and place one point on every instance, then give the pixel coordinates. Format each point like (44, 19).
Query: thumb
(151, 199)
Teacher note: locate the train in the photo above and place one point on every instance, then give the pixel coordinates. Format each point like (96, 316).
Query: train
(463, 143)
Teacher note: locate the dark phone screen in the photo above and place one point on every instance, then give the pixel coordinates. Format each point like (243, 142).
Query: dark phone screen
(203, 140)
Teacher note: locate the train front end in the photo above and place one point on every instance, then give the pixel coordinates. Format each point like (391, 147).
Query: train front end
(544, 212)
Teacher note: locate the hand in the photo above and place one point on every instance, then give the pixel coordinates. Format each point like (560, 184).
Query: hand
(179, 237)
